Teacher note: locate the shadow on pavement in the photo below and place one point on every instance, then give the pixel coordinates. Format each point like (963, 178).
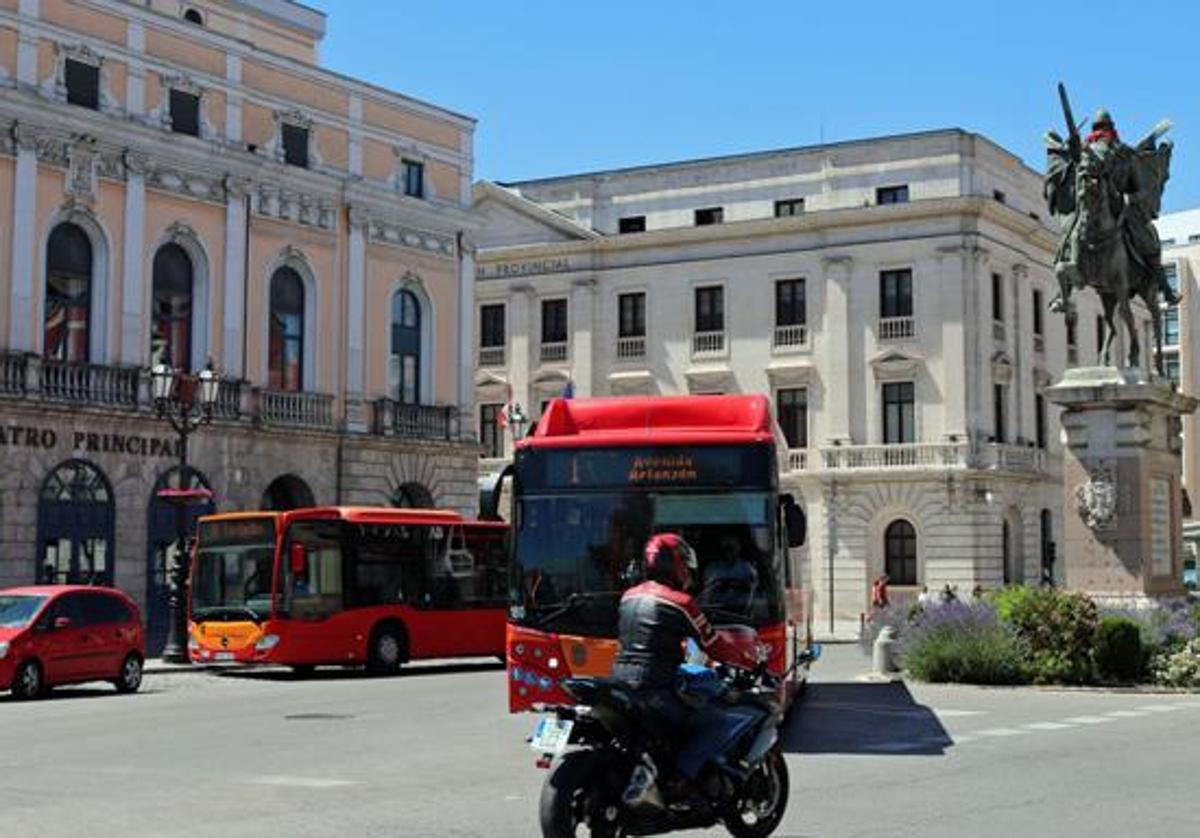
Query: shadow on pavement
(78, 693)
(359, 673)
(863, 718)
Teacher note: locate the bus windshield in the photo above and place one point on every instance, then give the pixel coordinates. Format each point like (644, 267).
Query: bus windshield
(234, 569)
(576, 553)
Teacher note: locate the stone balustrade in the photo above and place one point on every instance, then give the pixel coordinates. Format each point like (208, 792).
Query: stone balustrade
(416, 421)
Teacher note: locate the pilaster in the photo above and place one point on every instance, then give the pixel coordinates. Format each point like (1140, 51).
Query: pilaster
(466, 330)
(356, 276)
(233, 328)
(835, 340)
(583, 315)
(21, 287)
(133, 348)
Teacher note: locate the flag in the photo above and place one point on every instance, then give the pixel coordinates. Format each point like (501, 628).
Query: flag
(503, 418)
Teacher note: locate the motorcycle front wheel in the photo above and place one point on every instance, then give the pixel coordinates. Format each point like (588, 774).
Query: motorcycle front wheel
(759, 810)
(578, 800)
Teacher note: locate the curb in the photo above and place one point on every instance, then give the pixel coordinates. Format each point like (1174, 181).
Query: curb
(156, 666)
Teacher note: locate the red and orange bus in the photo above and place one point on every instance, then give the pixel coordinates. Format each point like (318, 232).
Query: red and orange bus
(348, 586)
(595, 479)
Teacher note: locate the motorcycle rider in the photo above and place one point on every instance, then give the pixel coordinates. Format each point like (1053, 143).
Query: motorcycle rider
(655, 618)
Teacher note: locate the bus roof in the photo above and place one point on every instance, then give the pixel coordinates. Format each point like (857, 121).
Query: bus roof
(359, 515)
(653, 420)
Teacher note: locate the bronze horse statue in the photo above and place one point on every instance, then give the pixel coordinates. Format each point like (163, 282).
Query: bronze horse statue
(1107, 262)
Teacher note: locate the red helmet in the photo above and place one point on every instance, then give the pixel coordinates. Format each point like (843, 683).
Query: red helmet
(670, 560)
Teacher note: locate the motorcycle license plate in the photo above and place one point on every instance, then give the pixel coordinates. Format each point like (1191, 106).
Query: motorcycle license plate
(551, 736)
(223, 656)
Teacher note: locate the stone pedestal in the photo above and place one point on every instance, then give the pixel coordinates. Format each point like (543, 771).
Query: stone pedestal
(1122, 507)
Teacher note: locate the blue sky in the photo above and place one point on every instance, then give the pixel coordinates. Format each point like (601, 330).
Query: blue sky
(563, 87)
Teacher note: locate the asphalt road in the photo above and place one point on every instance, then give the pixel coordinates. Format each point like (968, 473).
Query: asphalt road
(433, 753)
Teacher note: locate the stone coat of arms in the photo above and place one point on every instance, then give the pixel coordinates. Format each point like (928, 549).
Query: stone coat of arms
(1096, 500)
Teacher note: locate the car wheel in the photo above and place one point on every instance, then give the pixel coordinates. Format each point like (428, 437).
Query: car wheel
(387, 651)
(130, 678)
(27, 683)
(303, 670)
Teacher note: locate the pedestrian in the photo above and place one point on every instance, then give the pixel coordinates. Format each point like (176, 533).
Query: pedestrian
(949, 593)
(927, 597)
(879, 593)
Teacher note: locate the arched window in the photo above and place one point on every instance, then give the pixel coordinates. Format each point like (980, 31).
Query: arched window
(404, 366)
(287, 492)
(68, 294)
(285, 363)
(194, 16)
(76, 518)
(900, 553)
(412, 496)
(171, 308)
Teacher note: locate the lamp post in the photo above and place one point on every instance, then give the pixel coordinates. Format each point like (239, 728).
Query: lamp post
(517, 420)
(187, 401)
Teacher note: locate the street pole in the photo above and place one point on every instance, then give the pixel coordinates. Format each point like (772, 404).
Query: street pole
(175, 650)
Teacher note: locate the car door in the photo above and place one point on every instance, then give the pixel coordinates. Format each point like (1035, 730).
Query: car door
(104, 632)
(65, 655)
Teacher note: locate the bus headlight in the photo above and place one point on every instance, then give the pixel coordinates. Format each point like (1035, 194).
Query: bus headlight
(267, 643)
(3, 651)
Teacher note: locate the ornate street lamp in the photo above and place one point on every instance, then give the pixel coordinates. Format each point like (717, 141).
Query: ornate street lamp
(517, 420)
(187, 401)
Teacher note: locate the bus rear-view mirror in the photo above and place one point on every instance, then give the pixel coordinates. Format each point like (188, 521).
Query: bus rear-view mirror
(796, 522)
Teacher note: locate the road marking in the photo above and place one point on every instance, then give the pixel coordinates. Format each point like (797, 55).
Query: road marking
(1128, 714)
(1088, 720)
(1160, 708)
(1000, 732)
(1043, 726)
(304, 782)
(954, 714)
(964, 739)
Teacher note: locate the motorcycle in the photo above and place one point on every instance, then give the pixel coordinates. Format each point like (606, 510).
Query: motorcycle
(604, 754)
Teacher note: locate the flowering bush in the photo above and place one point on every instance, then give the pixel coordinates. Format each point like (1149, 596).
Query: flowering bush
(962, 642)
(1058, 630)
(1177, 667)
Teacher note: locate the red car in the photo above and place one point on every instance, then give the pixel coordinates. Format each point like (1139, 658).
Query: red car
(66, 634)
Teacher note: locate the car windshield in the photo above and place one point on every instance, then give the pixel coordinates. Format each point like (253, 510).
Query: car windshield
(17, 610)
(576, 553)
(233, 582)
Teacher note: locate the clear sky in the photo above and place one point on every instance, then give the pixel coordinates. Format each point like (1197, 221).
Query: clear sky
(569, 86)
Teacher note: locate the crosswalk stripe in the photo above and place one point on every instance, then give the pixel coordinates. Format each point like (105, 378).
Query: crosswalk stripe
(1089, 720)
(999, 732)
(1160, 708)
(1128, 714)
(1048, 726)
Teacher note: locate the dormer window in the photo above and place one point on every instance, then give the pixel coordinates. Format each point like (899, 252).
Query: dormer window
(412, 176)
(295, 145)
(83, 84)
(185, 113)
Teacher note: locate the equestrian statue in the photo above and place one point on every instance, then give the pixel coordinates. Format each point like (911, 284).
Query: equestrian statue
(1105, 196)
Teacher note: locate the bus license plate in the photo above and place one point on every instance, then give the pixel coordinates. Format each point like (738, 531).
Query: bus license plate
(551, 736)
(223, 656)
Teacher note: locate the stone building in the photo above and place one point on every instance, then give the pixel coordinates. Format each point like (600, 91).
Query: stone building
(890, 295)
(180, 182)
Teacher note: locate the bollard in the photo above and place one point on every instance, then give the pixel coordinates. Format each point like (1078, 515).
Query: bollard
(883, 652)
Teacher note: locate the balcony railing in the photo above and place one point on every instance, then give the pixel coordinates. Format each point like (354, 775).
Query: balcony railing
(92, 384)
(896, 328)
(631, 348)
(491, 356)
(708, 343)
(229, 399)
(13, 369)
(791, 337)
(415, 421)
(796, 459)
(898, 456)
(553, 353)
(998, 455)
(296, 409)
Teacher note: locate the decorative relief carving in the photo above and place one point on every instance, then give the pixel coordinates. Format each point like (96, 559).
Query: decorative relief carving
(80, 182)
(189, 184)
(384, 231)
(1097, 500)
(301, 208)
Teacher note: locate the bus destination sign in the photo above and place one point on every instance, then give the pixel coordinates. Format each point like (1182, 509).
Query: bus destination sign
(660, 469)
(238, 531)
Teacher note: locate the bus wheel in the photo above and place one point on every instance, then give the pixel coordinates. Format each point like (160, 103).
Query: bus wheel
(387, 650)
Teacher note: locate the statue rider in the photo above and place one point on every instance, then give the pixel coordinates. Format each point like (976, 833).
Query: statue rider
(1135, 176)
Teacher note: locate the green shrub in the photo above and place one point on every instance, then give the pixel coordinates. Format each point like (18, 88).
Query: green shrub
(1058, 629)
(1177, 667)
(1118, 651)
(963, 643)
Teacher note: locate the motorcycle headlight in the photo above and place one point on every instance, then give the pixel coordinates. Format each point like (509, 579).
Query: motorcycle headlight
(267, 643)
(3, 651)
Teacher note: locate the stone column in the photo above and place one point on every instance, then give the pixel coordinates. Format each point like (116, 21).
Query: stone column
(583, 315)
(955, 315)
(356, 419)
(133, 349)
(21, 336)
(466, 334)
(233, 361)
(1122, 509)
(835, 337)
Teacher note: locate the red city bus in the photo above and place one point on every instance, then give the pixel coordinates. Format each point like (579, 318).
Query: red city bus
(347, 585)
(595, 479)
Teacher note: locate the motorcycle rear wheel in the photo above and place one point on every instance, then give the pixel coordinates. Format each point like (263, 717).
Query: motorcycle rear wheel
(759, 811)
(576, 800)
